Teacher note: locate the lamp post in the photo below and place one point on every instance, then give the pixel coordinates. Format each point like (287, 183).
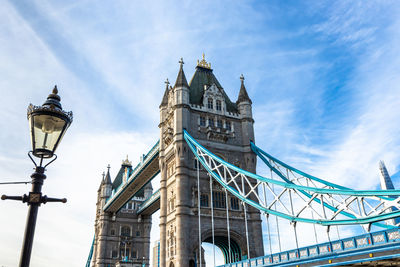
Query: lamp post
(48, 124)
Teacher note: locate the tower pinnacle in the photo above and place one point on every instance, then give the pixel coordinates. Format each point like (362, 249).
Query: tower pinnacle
(107, 179)
(164, 100)
(243, 95)
(181, 79)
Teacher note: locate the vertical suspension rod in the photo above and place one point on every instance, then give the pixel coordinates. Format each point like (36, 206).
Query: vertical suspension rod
(228, 227)
(198, 207)
(294, 223)
(212, 217)
(276, 217)
(267, 217)
(245, 220)
(312, 215)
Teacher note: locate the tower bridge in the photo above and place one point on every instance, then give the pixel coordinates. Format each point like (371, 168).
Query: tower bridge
(209, 192)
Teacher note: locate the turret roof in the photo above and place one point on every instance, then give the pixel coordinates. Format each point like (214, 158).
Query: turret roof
(243, 95)
(204, 76)
(164, 101)
(181, 79)
(107, 179)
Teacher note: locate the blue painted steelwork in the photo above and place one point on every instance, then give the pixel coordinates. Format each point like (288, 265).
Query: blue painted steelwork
(90, 254)
(358, 245)
(154, 197)
(260, 153)
(195, 146)
(147, 159)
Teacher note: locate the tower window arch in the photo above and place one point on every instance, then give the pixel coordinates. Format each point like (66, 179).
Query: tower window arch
(219, 123)
(125, 231)
(228, 125)
(211, 122)
(218, 105)
(210, 103)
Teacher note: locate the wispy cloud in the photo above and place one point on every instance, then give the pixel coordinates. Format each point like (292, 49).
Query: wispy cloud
(323, 79)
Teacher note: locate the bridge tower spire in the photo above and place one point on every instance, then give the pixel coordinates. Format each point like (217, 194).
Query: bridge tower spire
(204, 109)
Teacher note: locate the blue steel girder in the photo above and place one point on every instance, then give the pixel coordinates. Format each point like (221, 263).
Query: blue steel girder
(141, 175)
(340, 202)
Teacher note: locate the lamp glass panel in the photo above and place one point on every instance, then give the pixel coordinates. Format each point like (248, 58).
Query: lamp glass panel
(46, 132)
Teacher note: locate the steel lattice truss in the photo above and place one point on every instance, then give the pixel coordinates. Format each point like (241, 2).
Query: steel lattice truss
(297, 196)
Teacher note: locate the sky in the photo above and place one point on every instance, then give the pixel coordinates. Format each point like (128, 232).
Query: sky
(323, 77)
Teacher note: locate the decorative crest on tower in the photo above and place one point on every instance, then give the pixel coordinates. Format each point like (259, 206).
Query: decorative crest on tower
(203, 63)
(126, 162)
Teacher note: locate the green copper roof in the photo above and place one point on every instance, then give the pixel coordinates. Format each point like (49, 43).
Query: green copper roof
(205, 76)
(118, 179)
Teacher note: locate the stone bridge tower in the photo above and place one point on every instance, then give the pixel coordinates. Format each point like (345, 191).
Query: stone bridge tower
(122, 239)
(203, 108)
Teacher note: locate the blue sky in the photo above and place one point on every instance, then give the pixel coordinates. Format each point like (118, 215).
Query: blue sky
(323, 76)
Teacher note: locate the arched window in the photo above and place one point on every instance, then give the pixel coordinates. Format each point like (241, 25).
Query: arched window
(219, 199)
(218, 105)
(228, 126)
(234, 203)
(125, 231)
(202, 121)
(211, 122)
(210, 103)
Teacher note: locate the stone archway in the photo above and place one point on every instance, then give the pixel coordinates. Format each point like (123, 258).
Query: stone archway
(235, 253)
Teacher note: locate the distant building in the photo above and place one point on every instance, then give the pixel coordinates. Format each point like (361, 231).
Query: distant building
(156, 254)
(387, 184)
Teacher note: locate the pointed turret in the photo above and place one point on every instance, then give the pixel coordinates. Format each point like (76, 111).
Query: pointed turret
(164, 101)
(102, 181)
(243, 95)
(107, 179)
(181, 79)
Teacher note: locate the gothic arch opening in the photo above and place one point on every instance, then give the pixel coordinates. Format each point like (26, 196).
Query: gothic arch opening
(171, 264)
(232, 255)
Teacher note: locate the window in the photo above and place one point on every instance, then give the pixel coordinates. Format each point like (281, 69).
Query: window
(112, 232)
(234, 203)
(219, 123)
(204, 200)
(134, 254)
(210, 103)
(211, 122)
(228, 126)
(124, 252)
(125, 231)
(218, 105)
(114, 253)
(219, 200)
(137, 233)
(202, 121)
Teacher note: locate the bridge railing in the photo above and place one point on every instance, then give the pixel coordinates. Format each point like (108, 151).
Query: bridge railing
(324, 249)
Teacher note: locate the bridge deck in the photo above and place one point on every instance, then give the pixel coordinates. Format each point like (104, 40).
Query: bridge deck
(367, 249)
(142, 174)
(150, 205)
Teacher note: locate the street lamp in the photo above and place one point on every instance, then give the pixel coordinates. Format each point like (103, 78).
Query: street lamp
(48, 125)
